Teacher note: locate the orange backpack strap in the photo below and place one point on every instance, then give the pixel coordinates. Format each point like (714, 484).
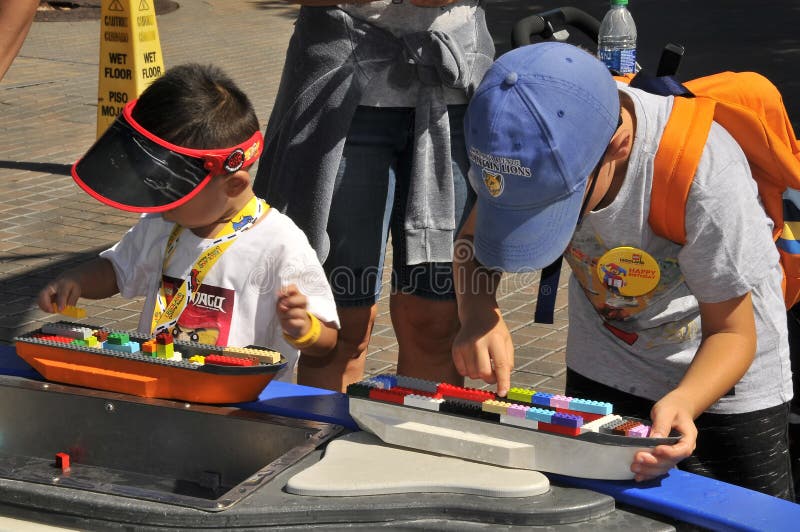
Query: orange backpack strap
(675, 164)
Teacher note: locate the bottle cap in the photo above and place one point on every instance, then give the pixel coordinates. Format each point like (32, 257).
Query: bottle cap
(619, 2)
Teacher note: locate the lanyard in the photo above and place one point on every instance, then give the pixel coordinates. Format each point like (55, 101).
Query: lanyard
(165, 315)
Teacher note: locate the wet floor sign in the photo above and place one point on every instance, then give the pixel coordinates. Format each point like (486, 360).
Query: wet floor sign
(130, 55)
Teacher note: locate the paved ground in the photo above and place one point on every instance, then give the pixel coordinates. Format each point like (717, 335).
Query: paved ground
(47, 120)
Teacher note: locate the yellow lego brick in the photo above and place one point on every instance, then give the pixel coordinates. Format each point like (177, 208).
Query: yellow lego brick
(73, 312)
(520, 394)
(497, 407)
(198, 359)
(264, 356)
(164, 350)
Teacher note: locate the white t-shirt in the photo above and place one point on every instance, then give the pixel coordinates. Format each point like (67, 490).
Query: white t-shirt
(729, 251)
(235, 305)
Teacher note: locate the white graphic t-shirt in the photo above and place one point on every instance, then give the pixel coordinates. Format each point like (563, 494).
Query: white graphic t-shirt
(235, 305)
(643, 344)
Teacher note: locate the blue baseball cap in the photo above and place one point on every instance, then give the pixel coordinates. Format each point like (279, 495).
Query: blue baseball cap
(536, 127)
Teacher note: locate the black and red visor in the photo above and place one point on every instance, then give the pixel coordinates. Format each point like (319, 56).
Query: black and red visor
(131, 169)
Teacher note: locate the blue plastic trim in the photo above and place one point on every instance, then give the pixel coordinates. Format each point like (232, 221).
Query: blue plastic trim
(699, 500)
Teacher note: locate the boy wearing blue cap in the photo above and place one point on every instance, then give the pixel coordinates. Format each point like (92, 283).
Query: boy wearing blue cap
(215, 263)
(562, 161)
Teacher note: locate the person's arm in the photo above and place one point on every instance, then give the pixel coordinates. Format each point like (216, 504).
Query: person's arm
(302, 329)
(482, 349)
(16, 17)
(725, 353)
(95, 279)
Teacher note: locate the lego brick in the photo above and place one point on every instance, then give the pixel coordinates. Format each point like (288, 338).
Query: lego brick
(493, 405)
(62, 462)
(388, 381)
(560, 401)
(118, 338)
(539, 414)
(519, 422)
(566, 420)
(608, 428)
(639, 431)
(149, 347)
(197, 359)
(595, 425)
(358, 389)
(458, 392)
(390, 395)
(221, 360)
(523, 395)
(625, 427)
(417, 384)
(587, 405)
(73, 312)
(164, 338)
(423, 401)
(265, 356)
(559, 429)
(164, 350)
(517, 410)
(128, 347)
(541, 398)
(461, 407)
(587, 416)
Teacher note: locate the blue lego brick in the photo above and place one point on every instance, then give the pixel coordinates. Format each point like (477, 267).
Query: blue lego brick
(541, 398)
(539, 414)
(567, 420)
(130, 347)
(594, 407)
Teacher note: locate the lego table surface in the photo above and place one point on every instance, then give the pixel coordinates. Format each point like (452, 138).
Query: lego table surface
(684, 496)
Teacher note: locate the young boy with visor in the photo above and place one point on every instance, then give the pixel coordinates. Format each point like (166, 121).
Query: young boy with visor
(214, 262)
(693, 336)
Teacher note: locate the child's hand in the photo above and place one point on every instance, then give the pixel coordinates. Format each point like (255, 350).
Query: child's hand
(671, 412)
(291, 308)
(483, 349)
(60, 293)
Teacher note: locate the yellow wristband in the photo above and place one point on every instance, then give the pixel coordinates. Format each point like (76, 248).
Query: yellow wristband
(309, 338)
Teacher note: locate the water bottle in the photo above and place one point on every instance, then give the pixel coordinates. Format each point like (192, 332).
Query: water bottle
(616, 40)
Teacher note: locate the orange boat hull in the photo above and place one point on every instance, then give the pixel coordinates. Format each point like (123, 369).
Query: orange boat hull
(141, 378)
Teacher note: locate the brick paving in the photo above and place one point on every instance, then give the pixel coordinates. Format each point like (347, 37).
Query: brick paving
(48, 104)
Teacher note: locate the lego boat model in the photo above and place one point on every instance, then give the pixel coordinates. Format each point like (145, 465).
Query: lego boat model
(158, 367)
(525, 430)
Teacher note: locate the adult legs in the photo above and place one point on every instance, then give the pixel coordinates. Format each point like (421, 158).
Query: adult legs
(358, 227)
(345, 364)
(423, 306)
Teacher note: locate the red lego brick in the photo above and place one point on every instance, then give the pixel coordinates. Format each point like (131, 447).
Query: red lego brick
(469, 394)
(392, 395)
(625, 427)
(164, 338)
(220, 360)
(559, 429)
(62, 462)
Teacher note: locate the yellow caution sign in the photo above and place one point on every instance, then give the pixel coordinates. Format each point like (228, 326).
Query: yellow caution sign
(130, 55)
